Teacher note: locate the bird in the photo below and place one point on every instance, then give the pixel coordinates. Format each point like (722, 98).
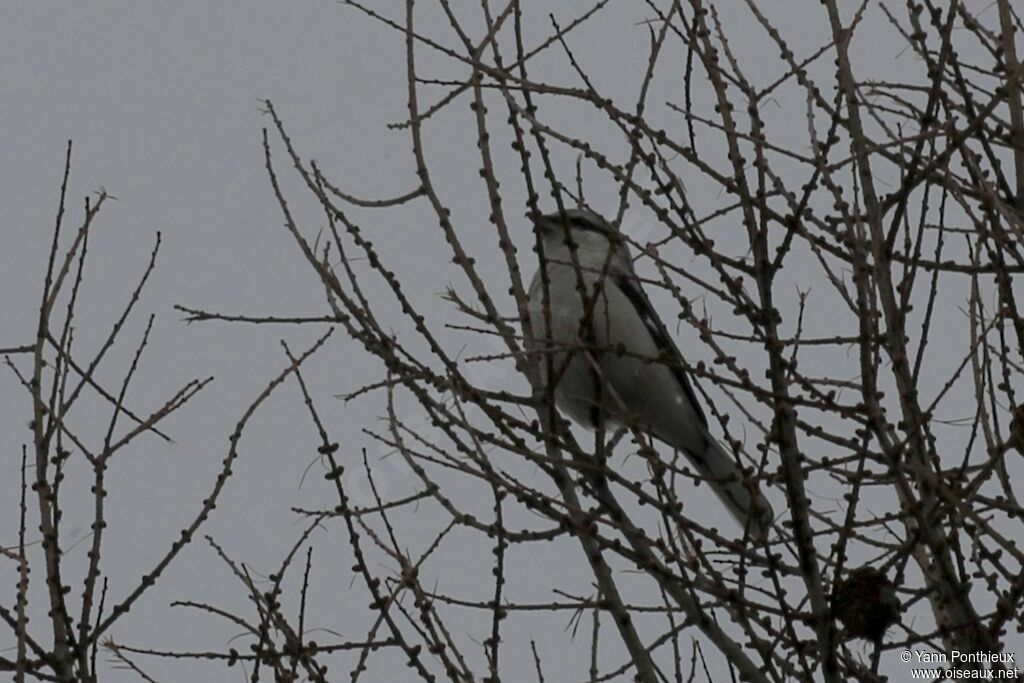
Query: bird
(612, 358)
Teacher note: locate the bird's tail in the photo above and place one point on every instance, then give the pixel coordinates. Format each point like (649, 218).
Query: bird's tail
(751, 509)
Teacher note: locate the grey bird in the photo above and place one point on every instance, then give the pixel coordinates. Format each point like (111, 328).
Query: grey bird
(613, 360)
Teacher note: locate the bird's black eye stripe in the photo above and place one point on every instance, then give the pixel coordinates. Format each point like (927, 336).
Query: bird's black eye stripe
(584, 224)
(575, 220)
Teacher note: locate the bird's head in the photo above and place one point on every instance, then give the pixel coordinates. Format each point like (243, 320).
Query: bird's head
(592, 237)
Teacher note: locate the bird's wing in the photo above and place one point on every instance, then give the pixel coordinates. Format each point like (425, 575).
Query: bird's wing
(631, 288)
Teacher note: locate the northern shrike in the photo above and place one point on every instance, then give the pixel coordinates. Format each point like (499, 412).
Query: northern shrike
(613, 359)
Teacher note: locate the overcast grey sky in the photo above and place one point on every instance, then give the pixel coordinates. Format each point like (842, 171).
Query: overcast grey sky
(162, 100)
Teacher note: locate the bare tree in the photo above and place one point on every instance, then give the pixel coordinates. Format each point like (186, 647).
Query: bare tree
(854, 298)
(62, 382)
(58, 381)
